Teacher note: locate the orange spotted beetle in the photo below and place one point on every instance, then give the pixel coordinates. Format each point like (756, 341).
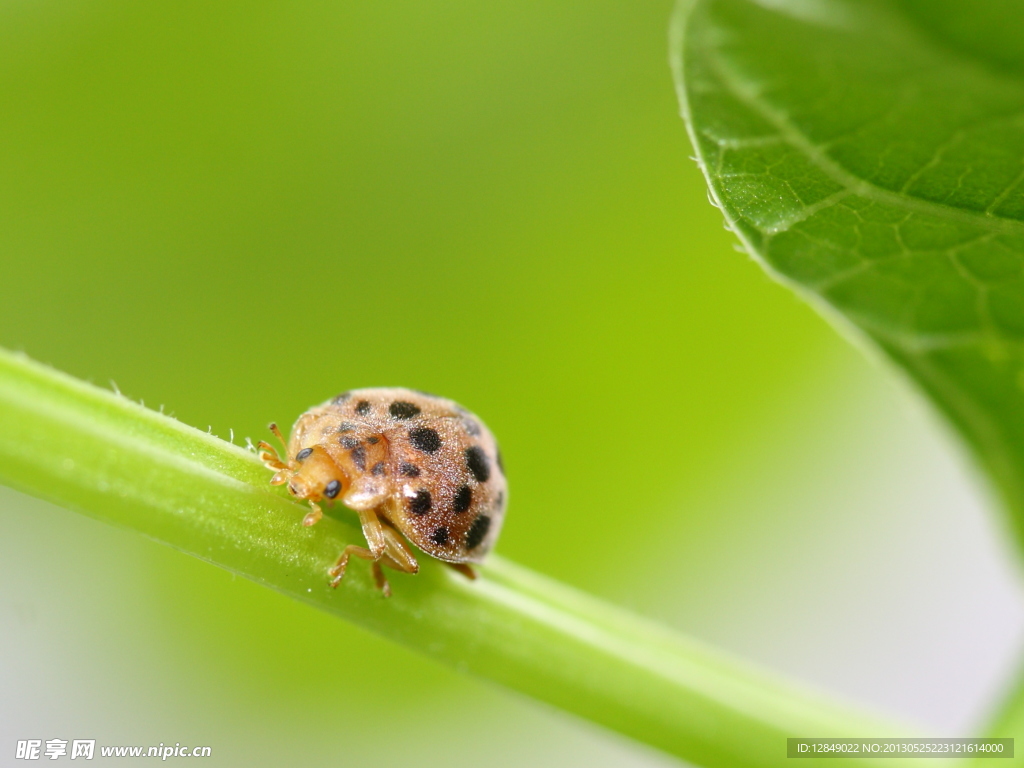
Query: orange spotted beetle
(407, 463)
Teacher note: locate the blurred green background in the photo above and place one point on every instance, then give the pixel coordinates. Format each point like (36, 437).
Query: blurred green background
(236, 210)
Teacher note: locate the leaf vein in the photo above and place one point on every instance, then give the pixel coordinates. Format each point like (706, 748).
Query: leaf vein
(800, 141)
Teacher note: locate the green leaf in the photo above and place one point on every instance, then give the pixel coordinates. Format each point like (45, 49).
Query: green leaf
(110, 458)
(871, 155)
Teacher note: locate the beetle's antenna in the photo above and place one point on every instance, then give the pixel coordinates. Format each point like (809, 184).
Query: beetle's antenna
(277, 432)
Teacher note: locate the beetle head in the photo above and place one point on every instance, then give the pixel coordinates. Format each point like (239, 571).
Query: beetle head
(311, 474)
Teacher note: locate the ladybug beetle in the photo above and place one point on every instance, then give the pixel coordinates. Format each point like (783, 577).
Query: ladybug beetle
(407, 463)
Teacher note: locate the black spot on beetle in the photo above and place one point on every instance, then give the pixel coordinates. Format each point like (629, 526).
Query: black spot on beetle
(403, 410)
(425, 439)
(378, 469)
(345, 426)
(421, 503)
(363, 407)
(477, 531)
(358, 455)
(348, 442)
(440, 535)
(331, 489)
(373, 440)
(409, 470)
(304, 454)
(500, 501)
(478, 464)
(471, 427)
(339, 399)
(463, 498)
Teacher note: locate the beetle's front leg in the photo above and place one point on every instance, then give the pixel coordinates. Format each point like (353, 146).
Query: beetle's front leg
(373, 530)
(313, 516)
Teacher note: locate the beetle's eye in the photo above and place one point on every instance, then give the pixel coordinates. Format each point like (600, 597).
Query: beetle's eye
(305, 453)
(332, 488)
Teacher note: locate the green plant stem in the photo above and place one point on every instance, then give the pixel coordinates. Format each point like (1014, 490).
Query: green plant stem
(114, 460)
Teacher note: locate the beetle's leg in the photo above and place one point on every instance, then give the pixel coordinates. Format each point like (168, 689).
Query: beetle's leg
(393, 552)
(380, 579)
(464, 568)
(373, 530)
(313, 516)
(337, 573)
(397, 555)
